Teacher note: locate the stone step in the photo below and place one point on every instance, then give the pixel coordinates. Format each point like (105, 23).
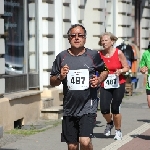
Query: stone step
(46, 102)
(53, 112)
(54, 93)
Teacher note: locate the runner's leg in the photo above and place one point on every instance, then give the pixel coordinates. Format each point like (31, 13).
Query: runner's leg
(148, 100)
(86, 125)
(70, 132)
(105, 101)
(148, 97)
(118, 95)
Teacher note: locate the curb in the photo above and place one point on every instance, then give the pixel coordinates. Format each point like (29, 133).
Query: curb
(1, 131)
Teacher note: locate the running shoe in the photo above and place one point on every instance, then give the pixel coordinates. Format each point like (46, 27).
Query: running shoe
(107, 131)
(118, 135)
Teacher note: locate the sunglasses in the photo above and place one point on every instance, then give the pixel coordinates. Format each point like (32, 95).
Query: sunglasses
(78, 35)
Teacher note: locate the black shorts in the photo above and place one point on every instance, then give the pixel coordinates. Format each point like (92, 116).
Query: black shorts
(147, 92)
(75, 127)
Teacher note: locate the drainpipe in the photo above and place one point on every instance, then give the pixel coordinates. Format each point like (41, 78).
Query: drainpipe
(114, 17)
(39, 42)
(105, 24)
(137, 23)
(74, 12)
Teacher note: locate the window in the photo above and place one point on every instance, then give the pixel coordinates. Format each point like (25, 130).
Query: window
(14, 37)
(21, 68)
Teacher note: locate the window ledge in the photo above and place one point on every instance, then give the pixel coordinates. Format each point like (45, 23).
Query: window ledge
(13, 96)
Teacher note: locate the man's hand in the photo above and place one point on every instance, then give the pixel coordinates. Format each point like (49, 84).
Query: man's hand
(102, 77)
(64, 71)
(94, 81)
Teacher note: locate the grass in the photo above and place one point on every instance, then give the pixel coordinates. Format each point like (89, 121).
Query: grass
(24, 132)
(32, 129)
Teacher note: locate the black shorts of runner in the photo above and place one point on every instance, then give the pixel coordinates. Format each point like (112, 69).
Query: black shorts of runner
(111, 97)
(147, 92)
(75, 127)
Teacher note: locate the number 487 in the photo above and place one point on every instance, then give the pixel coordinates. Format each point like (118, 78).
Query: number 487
(77, 80)
(112, 81)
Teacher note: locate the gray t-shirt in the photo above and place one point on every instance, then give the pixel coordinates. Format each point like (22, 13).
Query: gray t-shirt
(79, 102)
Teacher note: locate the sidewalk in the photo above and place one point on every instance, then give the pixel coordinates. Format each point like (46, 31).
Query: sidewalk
(135, 121)
(139, 142)
(135, 129)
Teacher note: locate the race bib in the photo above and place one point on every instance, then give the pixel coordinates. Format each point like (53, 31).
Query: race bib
(78, 79)
(149, 80)
(112, 81)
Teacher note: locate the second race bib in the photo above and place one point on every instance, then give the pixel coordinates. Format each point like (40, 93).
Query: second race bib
(112, 81)
(148, 80)
(78, 79)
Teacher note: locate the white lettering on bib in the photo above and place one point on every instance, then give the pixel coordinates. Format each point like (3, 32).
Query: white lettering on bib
(112, 81)
(78, 79)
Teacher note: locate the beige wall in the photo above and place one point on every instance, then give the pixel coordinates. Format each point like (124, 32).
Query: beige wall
(27, 107)
(54, 93)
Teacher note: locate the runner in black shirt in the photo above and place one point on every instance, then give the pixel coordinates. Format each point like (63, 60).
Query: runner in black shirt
(75, 68)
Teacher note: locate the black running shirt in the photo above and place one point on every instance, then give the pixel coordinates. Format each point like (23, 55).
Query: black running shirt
(79, 102)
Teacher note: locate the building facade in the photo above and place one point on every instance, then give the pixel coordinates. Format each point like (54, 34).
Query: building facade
(33, 32)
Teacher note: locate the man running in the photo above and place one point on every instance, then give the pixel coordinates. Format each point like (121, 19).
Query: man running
(75, 68)
(145, 69)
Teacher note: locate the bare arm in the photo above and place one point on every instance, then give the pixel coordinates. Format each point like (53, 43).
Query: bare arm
(123, 60)
(56, 80)
(103, 76)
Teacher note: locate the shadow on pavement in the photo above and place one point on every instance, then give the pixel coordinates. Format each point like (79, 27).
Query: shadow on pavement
(7, 149)
(97, 124)
(101, 135)
(144, 120)
(144, 137)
